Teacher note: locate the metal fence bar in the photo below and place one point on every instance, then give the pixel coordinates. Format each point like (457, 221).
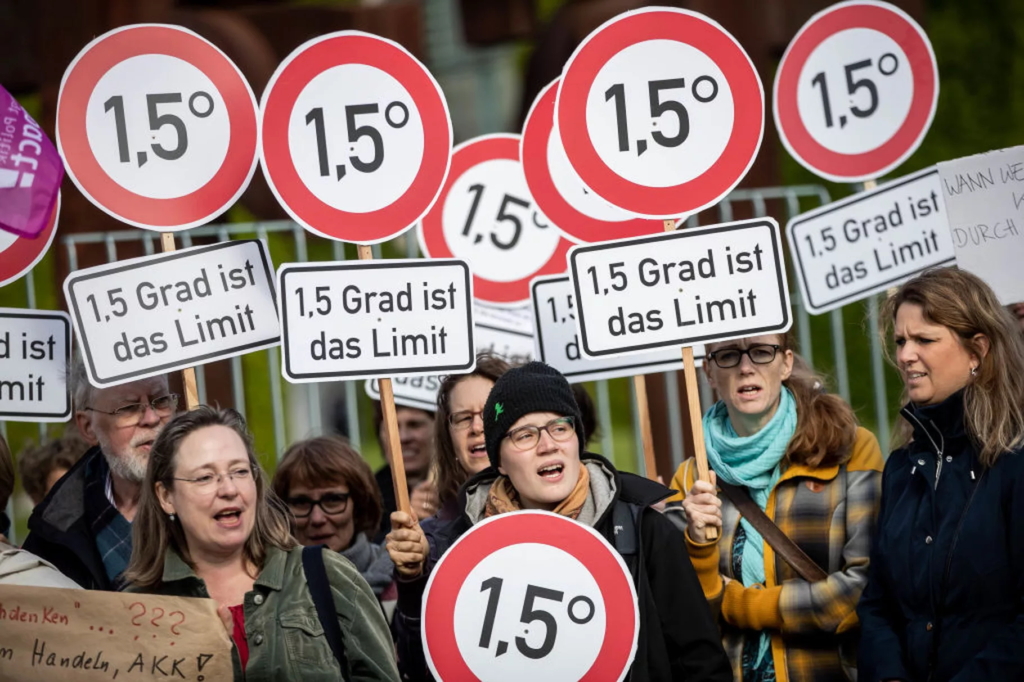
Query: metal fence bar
(313, 410)
(878, 376)
(675, 420)
(274, 370)
(839, 349)
(604, 410)
(803, 319)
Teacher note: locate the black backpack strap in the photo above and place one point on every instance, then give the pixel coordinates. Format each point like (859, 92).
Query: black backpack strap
(320, 590)
(625, 522)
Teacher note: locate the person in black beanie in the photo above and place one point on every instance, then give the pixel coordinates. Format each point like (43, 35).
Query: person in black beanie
(535, 442)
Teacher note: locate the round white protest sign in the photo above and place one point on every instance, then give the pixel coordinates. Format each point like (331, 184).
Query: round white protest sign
(157, 127)
(355, 137)
(856, 91)
(18, 255)
(487, 217)
(661, 112)
(579, 213)
(530, 596)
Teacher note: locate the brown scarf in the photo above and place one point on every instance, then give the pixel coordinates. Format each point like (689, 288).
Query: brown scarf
(503, 497)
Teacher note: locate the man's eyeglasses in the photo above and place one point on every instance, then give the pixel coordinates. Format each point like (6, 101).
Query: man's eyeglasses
(461, 421)
(132, 413)
(527, 437)
(330, 503)
(759, 354)
(207, 483)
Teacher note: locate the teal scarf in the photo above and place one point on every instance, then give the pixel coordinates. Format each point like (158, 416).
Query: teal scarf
(752, 462)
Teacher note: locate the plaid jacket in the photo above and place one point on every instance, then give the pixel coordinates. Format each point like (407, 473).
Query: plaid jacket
(830, 513)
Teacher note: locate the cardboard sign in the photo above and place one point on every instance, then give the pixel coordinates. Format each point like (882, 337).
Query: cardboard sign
(416, 392)
(35, 353)
(681, 288)
(506, 333)
(530, 596)
(984, 195)
(356, 137)
(375, 318)
(558, 343)
(79, 636)
(146, 316)
(856, 91)
(853, 248)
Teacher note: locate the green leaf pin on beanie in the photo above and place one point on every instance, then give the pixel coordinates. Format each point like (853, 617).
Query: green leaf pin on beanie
(498, 409)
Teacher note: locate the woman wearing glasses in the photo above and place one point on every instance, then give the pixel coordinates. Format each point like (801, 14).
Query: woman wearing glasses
(798, 454)
(335, 501)
(534, 442)
(208, 526)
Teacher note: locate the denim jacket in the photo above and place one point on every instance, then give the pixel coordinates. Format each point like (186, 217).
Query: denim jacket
(286, 640)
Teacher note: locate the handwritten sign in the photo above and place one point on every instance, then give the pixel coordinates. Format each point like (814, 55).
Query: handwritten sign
(984, 197)
(78, 636)
(35, 351)
(146, 316)
(507, 333)
(861, 245)
(681, 288)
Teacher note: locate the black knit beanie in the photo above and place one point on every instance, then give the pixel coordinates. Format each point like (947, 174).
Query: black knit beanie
(534, 387)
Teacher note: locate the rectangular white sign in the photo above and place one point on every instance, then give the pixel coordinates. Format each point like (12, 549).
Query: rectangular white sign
(146, 316)
(35, 353)
(365, 319)
(680, 288)
(419, 392)
(507, 333)
(558, 343)
(847, 250)
(984, 197)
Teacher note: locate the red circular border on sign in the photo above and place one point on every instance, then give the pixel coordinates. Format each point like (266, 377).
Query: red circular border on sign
(73, 139)
(852, 167)
(22, 255)
(564, 534)
(465, 156)
(748, 111)
(575, 224)
(291, 78)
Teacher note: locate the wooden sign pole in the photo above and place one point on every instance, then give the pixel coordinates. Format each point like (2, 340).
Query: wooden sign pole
(694, 413)
(391, 434)
(646, 434)
(188, 375)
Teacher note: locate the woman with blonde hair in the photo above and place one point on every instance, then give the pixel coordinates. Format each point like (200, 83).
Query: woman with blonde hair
(944, 595)
(209, 526)
(792, 468)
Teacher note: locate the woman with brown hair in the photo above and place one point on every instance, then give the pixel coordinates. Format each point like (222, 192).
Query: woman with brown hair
(209, 526)
(335, 501)
(781, 446)
(945, 595)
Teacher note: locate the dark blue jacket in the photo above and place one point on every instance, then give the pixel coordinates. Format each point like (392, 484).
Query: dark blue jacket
(945, 587)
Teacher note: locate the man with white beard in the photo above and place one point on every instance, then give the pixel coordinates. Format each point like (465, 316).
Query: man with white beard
(83, 526)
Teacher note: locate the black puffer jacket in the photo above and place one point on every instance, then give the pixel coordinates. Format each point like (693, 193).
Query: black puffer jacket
(945, 594)
(678, 640)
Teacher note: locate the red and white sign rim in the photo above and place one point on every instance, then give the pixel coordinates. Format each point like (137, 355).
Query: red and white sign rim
(23, 254)
(880, 17)
(576, 225)
(465, 156)
(310, 60)
(195, 208)
(582, 542)
(662, 23)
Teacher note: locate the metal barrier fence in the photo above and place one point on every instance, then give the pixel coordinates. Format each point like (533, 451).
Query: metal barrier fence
(298, 411)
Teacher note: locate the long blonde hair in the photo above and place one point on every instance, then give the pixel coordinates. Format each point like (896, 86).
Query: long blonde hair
(994, 399)
(153, 532)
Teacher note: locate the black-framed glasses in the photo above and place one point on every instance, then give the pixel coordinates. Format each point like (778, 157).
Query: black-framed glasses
(329, 503)
(460, 421)
(527, 437)
(208, 483)
(759, 354)
(132, 413)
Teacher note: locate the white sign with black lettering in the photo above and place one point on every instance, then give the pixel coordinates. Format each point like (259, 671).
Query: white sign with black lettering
(847, 250)
(984, 196)
(418, 392)
(151, 315)
(35, 352)
(505, 332)
(365, 319)
(557, 341)
(681, 288)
